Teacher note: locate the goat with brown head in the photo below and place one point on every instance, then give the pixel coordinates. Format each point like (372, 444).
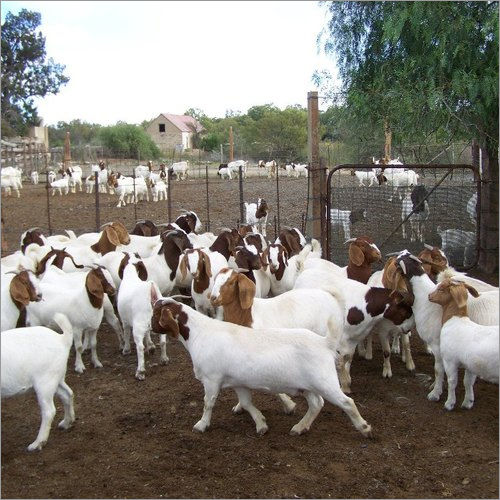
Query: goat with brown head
(97, 285)
(362, 254)
(235, 293)
(433, 260)
(114, 234)
(452, 296)
(290, 239)
(58, 261)
(24, 289)
(145, 228)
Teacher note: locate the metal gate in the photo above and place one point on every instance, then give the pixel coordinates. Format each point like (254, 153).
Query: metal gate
(443, 213)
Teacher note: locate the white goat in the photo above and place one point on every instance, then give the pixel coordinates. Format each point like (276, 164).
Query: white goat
(463, 342)
(256, 214)
(78, 295)
(482, 310)
(180, 169)
(346, 218)
(234, 167)
(36, 358)
(134, 308)
(18, 290)
(60, 184)
(8, 182)
(361, 175)
(34, 177)
(283, 271)
(458, 243)
(275, 360)
(158, 190)
(414, 200)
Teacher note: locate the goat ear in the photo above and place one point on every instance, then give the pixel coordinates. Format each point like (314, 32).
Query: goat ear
(356, 255)
(168, 322)
(293, 245)
(246, 291)
(472, 290)
(94, 289)
(112, 236)
(153, 295)
(459, 295)
(19, 292)
(263, 258)
(183, 266)
(208, 266)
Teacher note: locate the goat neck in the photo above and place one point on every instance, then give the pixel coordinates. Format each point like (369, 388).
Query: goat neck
(359, 273)
(223, 244)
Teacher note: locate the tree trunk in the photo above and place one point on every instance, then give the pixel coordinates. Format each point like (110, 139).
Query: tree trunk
(488, 256)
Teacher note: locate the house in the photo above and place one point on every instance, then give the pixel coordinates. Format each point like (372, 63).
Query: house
(170, 131)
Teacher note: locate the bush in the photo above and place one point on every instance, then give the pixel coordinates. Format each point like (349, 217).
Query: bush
(128, 141)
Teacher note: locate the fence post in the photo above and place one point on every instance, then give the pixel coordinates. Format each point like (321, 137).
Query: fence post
(278, 197)
(135, 198)
(169, 198)
(97, 206)
(317, 213)
(240, 182)
(47, 185)
(208, 205)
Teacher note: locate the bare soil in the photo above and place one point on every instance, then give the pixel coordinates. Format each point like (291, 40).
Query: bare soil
(134, 440)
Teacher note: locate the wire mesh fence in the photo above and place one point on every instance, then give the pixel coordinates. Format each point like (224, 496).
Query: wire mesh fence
(445, 214)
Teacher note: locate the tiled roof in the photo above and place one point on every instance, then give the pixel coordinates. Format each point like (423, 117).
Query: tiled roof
(183, 122)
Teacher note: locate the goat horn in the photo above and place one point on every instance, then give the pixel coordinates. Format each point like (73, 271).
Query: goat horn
(241, 270)
(33, 228)
(429, 247)
(175, 297)
(415, 258)
(10, 272)
(403, 266)
(350, 240)
(391, 254)
(105, 224)
(140, 220)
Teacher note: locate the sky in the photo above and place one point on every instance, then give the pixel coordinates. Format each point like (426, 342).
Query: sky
(130, 60)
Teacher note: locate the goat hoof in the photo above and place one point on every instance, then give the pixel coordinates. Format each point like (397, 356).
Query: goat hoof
(297, 431)
(199, 427)
(367, 432)
(79, 369)
(35, 446)
(289, 410)
(164, 361)
(126, 351)
(262, 430)
(449, 406)
(140, 375)
(467, 405)
(64, 425)
(433, 396)
(97, 364)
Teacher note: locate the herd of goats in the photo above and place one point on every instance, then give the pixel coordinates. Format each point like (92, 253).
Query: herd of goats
(253, 314)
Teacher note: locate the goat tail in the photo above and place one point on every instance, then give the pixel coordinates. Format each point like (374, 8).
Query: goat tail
(315, 246)
(64, 324)
(335, 330)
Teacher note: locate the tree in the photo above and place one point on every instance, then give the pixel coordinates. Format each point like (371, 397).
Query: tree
(128, 141)
(426, 68)
(25, 72)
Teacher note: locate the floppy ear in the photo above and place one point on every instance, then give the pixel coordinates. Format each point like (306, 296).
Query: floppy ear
(153, 295)
(459, 295)
(183, 266)
(246, 291)
(472, 290)
(168, 322)
(19, 291)
(94, 289)
(292, 244)
(208, 266)
(356, 255)
(263, 258)
(112, 236)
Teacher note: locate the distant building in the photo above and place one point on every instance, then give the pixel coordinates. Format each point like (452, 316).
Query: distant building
(173, 131)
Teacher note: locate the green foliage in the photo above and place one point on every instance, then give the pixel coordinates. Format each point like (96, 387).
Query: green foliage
(128, 141)
(429, 68)
(209, 143)
(25, 72)
(81, 133)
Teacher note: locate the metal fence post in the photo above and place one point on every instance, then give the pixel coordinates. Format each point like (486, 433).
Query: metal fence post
(278, 197)
(47, 186)
(135, 197)
(97, 206)
(169, 198)
(240, 181)
(208, 205)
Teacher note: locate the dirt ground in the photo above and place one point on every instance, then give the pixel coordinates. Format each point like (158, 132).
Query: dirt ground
(134, 440)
